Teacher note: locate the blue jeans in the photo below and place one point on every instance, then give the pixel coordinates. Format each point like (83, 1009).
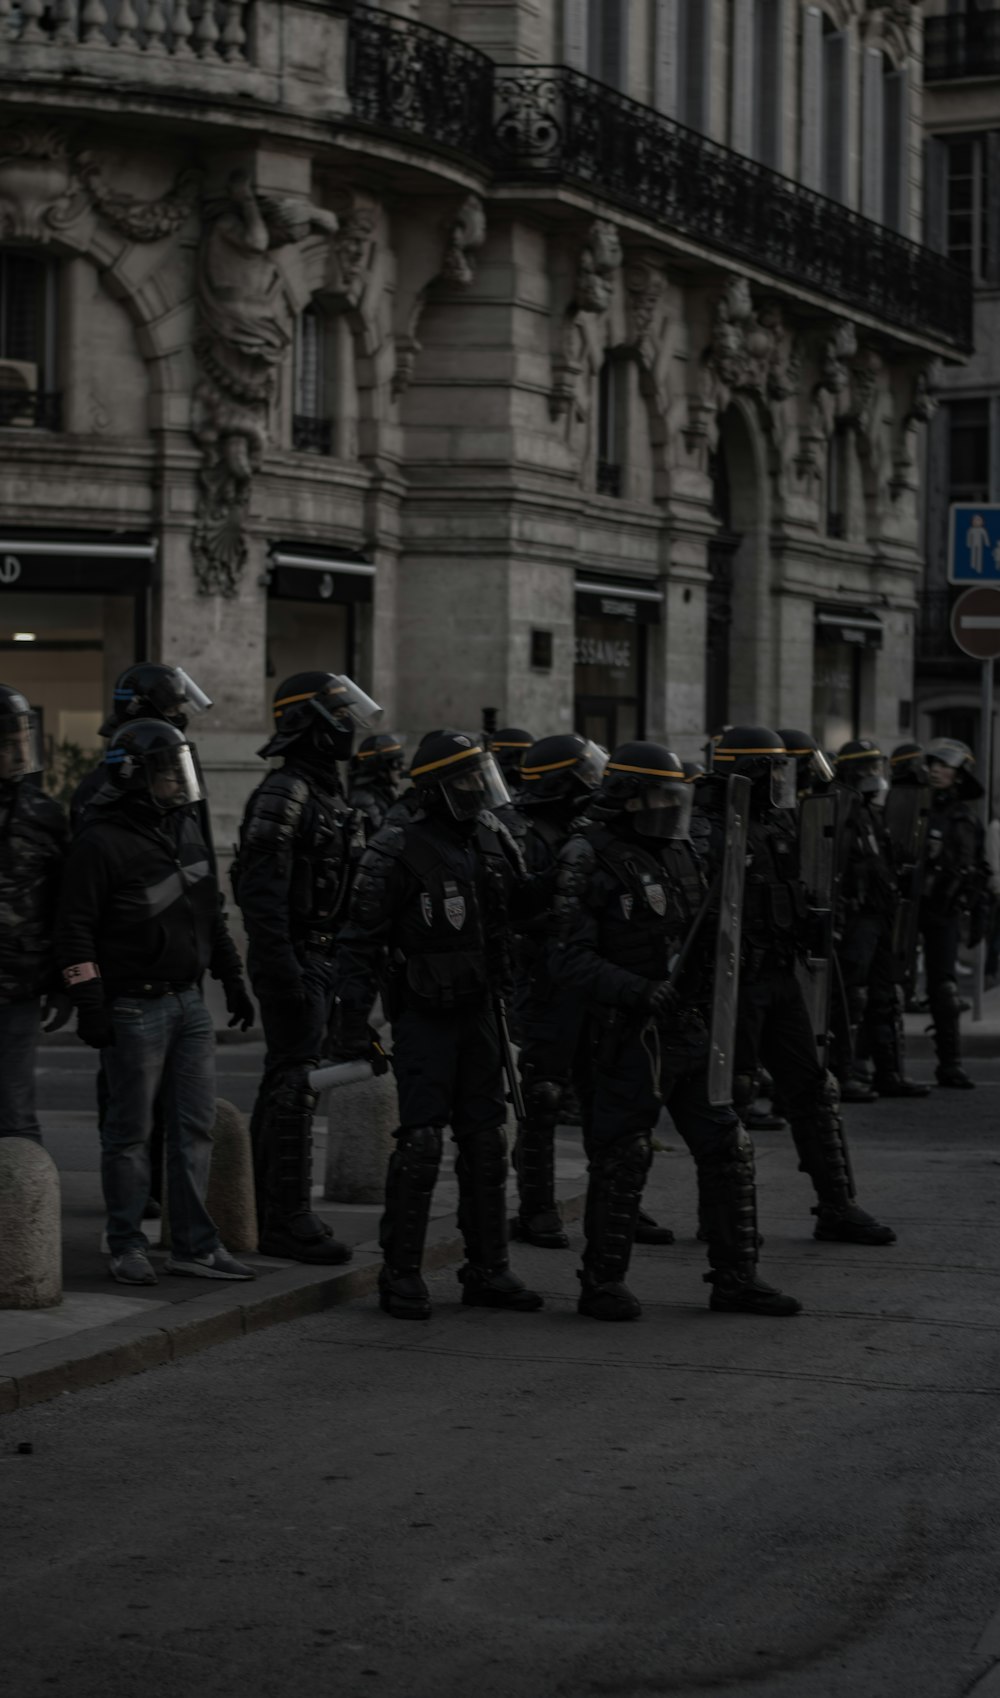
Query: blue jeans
(163, 1044)
(19, 1027)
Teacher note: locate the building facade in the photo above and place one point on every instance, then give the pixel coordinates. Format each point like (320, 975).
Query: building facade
(567, 358)
(962, 120)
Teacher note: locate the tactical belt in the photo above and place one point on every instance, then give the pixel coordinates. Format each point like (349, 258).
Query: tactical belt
(319, 943)
(152, 989)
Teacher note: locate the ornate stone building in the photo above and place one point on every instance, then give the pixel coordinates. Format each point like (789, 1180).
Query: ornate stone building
(565, 358)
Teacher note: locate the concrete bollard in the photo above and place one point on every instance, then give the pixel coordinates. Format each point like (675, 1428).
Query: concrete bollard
(361, 1116)
(231, 1199)
(30, 1229)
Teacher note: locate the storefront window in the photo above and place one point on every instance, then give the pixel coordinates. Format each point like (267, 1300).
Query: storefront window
(607, 683)
(836, 693)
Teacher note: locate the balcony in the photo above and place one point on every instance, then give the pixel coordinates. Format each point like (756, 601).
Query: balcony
(416, 81)
(23, 409)
(554, 123)
(160, 28)
(962, 44)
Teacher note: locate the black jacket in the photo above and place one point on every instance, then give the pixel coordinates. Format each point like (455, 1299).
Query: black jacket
(140, 899)
(33, 843)
(372, 801)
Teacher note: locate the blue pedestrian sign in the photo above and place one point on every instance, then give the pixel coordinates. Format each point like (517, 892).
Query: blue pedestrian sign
(974, 544)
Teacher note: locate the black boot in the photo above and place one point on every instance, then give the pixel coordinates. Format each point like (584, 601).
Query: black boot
(486, 1279)
(887, 1053)
(946, 1008)
(727, 1193)
(409, 1187)
(290, 1228)
(846, 1223)
(897, 1085)
(855, 1090)
(823, 1154)
(649, 1231)
(538, 1220)
(614, 1191)
(953, 1075)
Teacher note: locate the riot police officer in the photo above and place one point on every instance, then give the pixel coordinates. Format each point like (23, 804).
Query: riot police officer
(955, 883)
(298, 844)
(376, 769)
(813, 772)
(869, 897)
(773, 1024)
(908, 764)
(428, 924)
(559, 775)
(33, 841)
(145, 690)
(629, 892)
(509, 746)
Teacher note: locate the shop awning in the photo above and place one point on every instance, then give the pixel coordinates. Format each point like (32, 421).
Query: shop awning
(615, 599)
(855, 625)
(297, 573)
(87, 563)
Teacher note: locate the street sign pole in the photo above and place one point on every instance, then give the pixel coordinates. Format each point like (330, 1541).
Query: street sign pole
(986, 721)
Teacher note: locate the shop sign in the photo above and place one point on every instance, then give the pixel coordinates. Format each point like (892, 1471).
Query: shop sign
(10, 569)
(603, 651)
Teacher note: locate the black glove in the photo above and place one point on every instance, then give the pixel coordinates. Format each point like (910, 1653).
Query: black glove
(353, 1039)
(238, 1004)
(57, 1010)
(95, 1025)
(661, 998)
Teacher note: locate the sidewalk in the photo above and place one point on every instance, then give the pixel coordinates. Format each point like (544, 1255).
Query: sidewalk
(103, 1331)
(979, 1037)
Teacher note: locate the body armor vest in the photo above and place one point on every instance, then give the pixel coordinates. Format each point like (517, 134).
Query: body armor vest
(774, 904)
(648, 916)
(441, 941)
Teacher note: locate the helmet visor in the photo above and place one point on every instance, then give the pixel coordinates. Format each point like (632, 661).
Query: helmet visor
(820, 767)
(468, 789)
(20, 745)
(784, 786)
(949, 753)
(192, 695)
(663, 810)
(868, 776)
(345, 705)
(171, 778)
(589, 769)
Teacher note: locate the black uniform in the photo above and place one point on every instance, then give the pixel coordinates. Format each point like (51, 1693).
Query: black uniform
(33, 842)
(956, 879)
(428, 925)
(624, 907)
(773, 1027)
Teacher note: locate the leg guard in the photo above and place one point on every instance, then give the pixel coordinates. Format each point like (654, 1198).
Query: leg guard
(823, 1154)
(727, 1194)
(284, 1133)
(946, 1006)
(481, 1170)
(538, 1220)
(887, 1051)
(409, 1187)
(614, 1191)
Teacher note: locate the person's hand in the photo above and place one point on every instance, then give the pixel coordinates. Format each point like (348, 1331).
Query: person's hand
(353, 1039)
(661, 998)
(239, 1005)
(95, 1026)
(57, 1009)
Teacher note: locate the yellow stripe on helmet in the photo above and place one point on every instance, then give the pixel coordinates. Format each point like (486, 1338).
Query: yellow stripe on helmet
(645, 771)
(387, 749)
(859, 755)
(731, 754)
(448, 760)
(554, 766)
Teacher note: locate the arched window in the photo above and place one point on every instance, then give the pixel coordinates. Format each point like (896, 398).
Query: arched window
(311, 424)
(28, 394)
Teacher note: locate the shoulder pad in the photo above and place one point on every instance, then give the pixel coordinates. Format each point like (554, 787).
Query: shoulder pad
(274, 811)
(578, 853)
(389, 841)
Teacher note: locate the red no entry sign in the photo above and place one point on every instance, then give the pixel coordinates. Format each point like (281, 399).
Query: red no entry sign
(975, 622)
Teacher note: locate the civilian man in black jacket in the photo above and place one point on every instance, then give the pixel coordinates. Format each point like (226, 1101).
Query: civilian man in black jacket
(139, 923)
(32, 849)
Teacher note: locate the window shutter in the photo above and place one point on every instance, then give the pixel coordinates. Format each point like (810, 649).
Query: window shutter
(874, 166)
(575, 34)
(990, 192)
(744, 76)
(936, 194)
(665, 57)
(835, 136)
(811, 145)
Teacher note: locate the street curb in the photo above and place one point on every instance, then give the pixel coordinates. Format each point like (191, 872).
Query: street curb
(131, 1346)
(985, 1045)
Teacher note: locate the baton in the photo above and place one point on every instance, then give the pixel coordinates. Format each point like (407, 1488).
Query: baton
(507, 1054)
(348, 1072)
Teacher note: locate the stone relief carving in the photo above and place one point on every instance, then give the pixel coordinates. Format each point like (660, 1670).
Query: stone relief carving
(353, 246)
(466, 235)
(45, 186)
(923, 405)
(578, 348)
(752, 351)
(244, 333)
(141, 221)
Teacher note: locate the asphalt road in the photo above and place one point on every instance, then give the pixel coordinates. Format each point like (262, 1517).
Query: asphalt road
(493, 1505)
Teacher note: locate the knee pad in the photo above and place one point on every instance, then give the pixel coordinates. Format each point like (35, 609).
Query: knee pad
(744, 1091)
(418, 1152)
(293, 1093)
(945, 1000)
(628, 1159)
(828, 1096)
(542, 1098)
(734, 1149)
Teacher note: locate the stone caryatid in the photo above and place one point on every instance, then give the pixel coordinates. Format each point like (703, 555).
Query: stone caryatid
(244, 333)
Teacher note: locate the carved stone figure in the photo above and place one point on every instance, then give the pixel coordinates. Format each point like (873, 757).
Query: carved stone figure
(600, 258)
(466, 235)
(245, 330)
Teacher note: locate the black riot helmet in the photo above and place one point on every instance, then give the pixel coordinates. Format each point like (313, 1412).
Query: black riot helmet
(454, 774)
(563, 768)
(380, 756)
(151, 759)
(510, 745)
(693, 770)
(758, 753)
(813, 770)
(860, 764)
(950, 766)
(150, 691)
(645, 790)
(319, 712)
(908, 764)
(20, 749)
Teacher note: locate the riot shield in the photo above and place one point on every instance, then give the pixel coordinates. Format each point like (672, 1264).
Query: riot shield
(818, 869)
(726, 988)
(907, 819)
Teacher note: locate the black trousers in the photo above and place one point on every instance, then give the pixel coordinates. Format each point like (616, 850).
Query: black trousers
(624, 1082)
(550, 1024)
(867, 963)
(449, 1069)
(773, 1027)
(294, 1035)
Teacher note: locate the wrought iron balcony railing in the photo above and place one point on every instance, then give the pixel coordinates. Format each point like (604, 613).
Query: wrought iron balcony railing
(962, 44)
(313, 436)
(555, 122)
(405, 76)
(24, 409)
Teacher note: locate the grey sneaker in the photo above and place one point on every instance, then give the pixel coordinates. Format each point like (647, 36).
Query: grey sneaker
(218, 1264)
(132, 1267)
